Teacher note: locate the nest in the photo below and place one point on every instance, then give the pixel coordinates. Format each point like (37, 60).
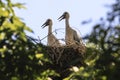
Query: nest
(64, 57)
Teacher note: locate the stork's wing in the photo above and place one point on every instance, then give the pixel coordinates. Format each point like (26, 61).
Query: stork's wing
(76, 37)
(55, 41)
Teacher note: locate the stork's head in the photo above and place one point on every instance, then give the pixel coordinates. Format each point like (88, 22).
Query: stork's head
(48, 22)
(65, 15)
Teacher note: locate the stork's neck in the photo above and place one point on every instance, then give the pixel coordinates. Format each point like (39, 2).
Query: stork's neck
(50, 29)
(67, 23)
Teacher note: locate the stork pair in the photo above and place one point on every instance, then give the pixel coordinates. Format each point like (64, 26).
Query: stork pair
(71, 36)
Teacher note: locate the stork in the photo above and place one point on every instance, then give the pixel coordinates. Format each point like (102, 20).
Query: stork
(52, 40)
(71, 36)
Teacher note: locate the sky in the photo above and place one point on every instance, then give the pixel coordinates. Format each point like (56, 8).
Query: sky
(38, 11)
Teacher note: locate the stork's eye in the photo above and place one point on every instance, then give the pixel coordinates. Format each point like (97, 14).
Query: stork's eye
(47, 23)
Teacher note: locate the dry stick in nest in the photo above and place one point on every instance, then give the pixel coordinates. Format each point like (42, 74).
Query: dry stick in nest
(64, 58)
(58, 51)
(55, 53)
(51, 33)
(80, 47)
(59, 55)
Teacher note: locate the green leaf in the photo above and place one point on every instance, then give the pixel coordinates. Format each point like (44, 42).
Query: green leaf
(17, 22)
(2, 36)
(19, 5)
(9, 25)
(28, 29)
(22, 35)
(3, 12)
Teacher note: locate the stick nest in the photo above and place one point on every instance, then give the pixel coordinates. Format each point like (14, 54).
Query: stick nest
(64, 57)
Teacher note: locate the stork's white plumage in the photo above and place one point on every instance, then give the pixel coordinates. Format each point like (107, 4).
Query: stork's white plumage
(71, 36)
(52, 40)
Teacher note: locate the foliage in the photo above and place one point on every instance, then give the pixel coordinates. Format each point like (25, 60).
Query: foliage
(20, 57)
(103, 50)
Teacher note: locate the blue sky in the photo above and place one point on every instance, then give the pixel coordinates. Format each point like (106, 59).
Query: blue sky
(39, 10)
